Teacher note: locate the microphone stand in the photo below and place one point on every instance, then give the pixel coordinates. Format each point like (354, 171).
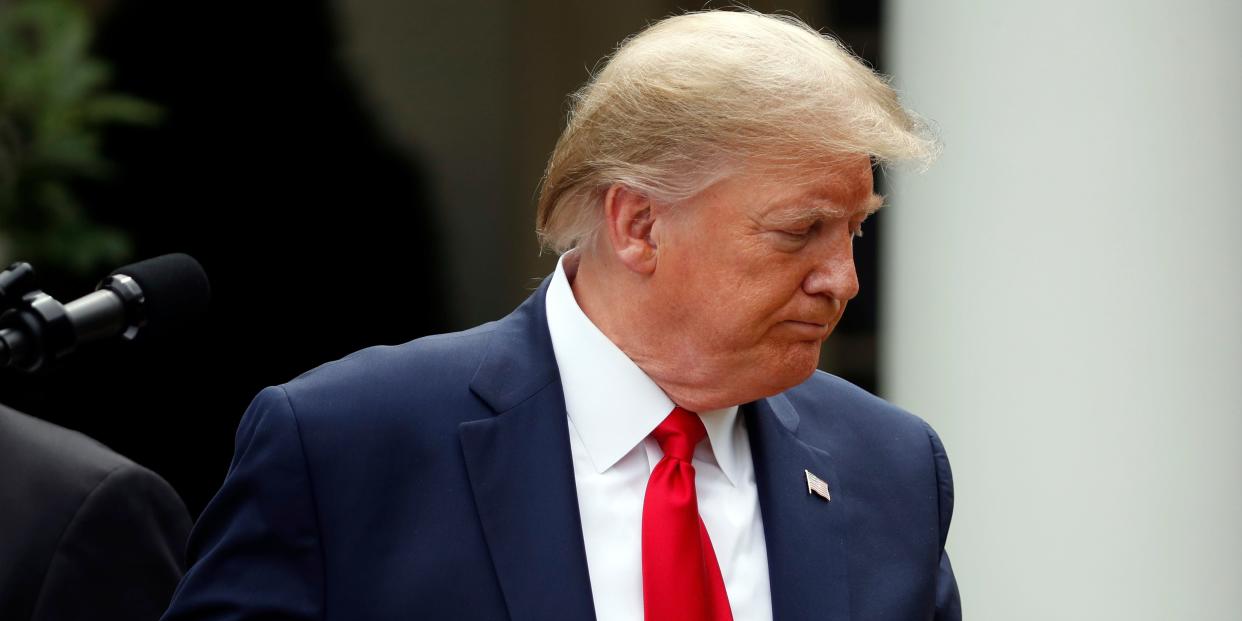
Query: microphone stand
(34, 327)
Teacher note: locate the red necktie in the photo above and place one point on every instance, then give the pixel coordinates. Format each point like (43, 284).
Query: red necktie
(681, 579)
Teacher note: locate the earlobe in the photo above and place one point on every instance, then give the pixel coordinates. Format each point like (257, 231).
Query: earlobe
(629, 218)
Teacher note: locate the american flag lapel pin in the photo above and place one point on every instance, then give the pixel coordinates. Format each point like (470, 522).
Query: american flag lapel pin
(817, 486)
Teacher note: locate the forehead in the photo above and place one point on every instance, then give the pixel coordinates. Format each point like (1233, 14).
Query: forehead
(842, 188)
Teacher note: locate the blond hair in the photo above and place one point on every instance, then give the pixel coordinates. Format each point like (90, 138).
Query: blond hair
(694, 98)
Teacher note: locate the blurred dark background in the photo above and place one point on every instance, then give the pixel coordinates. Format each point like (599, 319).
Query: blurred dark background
(349, 173)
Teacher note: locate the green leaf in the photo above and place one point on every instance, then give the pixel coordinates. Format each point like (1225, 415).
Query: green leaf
(103, 109)
(54, 100)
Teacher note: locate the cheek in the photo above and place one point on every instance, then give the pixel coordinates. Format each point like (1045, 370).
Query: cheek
(771, 286)
(730, 293)
(754, 291)
(742, 315)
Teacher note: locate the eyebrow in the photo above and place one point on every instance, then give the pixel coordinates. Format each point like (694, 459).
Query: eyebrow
(874, 203)
(819, 209)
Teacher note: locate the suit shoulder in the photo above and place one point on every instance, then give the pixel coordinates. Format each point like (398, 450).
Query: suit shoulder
(438, 355)
(835, 401)
(121, 553)
(38, 443)
(57, 480)
(431, 370)
(49, 472)
(58, 466)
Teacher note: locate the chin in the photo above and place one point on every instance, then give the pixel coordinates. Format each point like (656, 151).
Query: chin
(794, 367)
(804, 371)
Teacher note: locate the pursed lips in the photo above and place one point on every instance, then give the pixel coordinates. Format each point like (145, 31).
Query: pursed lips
(807, 329)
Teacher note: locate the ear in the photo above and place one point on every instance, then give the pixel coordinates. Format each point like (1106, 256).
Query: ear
(628, 219)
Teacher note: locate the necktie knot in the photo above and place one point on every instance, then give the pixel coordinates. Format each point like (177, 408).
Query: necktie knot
(679, 433)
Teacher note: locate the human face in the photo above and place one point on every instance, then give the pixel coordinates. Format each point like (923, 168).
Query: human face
(754, 273)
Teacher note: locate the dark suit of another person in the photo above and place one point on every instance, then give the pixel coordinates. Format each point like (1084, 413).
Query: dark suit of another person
(84, 532)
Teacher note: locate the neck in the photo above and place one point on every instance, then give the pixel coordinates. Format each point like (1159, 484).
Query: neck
(615, 299)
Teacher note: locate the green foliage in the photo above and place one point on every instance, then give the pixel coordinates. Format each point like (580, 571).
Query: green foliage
(53, 104)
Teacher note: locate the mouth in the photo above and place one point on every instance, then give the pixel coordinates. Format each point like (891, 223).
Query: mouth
(808, 330)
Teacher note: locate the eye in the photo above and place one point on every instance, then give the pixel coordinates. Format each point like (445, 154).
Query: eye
(802, 233)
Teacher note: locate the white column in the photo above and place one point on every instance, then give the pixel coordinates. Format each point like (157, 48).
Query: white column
(1063, 299)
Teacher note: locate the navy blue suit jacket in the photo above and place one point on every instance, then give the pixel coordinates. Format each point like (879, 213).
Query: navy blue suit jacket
(433, 480)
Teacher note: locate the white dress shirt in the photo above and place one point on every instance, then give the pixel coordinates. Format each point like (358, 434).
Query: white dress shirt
(613, 408)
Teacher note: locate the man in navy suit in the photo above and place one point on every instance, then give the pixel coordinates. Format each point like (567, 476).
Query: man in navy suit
(646, 436)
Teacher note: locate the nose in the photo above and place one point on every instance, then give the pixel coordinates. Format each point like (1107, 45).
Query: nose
(832, 273)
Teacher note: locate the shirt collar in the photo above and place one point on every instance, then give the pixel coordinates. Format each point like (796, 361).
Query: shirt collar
(612, 403)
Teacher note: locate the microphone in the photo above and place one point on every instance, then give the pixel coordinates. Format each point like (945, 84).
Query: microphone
(143, 300)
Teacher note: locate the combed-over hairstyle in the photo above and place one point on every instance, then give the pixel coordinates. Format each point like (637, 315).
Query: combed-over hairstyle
(692, 98)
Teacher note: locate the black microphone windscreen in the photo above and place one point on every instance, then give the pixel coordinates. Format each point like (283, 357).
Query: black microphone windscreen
(175, 290)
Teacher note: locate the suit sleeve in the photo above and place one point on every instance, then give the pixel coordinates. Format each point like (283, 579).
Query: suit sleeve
(256, 550)
(948, 601)
(122, 553)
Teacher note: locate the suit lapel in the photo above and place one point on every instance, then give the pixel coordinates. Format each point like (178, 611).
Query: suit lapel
(805, 534)
(522, 476)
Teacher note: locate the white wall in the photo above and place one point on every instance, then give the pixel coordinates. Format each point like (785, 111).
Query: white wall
(1063, 299)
